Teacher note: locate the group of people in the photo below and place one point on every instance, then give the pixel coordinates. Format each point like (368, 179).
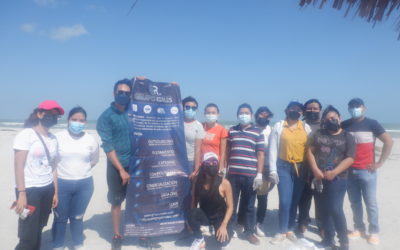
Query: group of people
(311, 153)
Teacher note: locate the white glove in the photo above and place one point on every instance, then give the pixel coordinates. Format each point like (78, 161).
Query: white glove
(258, 181)
(273, 177)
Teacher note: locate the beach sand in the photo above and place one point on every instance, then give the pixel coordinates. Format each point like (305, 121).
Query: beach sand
(98, 229)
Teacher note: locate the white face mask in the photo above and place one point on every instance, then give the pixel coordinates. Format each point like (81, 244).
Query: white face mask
(356, 112)
(211, 118)
(244, 119)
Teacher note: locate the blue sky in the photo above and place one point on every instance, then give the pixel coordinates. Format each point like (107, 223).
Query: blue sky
(264, 52)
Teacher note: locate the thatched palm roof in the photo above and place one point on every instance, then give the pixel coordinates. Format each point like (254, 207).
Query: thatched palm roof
(372, 10)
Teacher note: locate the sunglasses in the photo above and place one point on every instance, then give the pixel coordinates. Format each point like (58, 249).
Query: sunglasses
(187, 107)
(121, 92)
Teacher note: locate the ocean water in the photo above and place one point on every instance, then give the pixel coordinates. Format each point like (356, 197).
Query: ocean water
(392, 128)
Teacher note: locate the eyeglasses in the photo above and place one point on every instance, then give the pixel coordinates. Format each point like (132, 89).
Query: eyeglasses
(121, 92)
(187, 107)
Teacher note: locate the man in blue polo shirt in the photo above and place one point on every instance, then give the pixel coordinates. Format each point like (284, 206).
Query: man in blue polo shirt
(245, 167)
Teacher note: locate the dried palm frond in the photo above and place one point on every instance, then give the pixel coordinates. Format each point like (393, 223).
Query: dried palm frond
(373, 10)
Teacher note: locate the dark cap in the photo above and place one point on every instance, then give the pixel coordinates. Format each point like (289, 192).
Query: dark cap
(244, 105)
(295, 104)
(356, 102)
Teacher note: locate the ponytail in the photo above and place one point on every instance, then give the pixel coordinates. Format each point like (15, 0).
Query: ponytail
(32, 120)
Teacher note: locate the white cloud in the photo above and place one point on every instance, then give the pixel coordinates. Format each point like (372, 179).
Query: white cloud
(65, 33)
(45, 2)
(28, 27)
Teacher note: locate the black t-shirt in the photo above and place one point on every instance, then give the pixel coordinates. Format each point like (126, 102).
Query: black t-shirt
(330, 149)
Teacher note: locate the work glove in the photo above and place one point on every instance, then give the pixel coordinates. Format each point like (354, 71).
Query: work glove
(273, 177)
(258, 181)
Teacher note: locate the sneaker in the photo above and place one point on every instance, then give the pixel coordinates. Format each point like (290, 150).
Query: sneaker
(278, 238)
(253, 240)
(211, 230)
(147, 243)
(373, 239)
(80, 247)
(205, 230)
(239, 229)
(234, 235)
(198, 244)
(355, 235)
(302, 229)
(291, 236)
(116, 242)
(326, 245)
(259, 232)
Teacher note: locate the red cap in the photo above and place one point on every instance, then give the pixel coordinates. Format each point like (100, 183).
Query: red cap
(51, 104)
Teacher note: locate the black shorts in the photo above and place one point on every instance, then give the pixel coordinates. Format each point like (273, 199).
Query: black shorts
(116, 191)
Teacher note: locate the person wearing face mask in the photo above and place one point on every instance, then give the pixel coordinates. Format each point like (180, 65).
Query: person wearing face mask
(245, 168)
(330, 153)
(35, 150)
(213, 194)
(312, 109)
(78, 152)
(362, 174)
(194, 135)
(113, 129)
(288, 141)
(215, 135)
(263, 116)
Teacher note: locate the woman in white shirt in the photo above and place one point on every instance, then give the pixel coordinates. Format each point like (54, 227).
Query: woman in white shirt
(78, 152)
(36, 188)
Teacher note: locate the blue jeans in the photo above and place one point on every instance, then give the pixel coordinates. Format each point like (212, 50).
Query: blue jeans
(73, 199)
(242, 186)
(290, 188)
(332, 215)
(362, 183)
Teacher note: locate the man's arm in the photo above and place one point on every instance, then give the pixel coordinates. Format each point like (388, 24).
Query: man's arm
(386, 150)
(112, 156)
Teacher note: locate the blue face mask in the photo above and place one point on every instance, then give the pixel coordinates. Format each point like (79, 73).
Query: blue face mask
(189, 113)
(76, 127)
(356, 112)
(244, 119)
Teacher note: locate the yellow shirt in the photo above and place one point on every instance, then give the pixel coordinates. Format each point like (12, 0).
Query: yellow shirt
(293, 143)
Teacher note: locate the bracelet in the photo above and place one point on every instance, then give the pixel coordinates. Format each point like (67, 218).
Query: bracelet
(21, 191)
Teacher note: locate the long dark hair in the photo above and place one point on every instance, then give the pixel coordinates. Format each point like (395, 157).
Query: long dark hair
(210, 169)
(33, 119)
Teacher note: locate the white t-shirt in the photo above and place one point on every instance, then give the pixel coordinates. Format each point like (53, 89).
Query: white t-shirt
(76, 155)
(266, 132)
(193, 130)
(37, 171)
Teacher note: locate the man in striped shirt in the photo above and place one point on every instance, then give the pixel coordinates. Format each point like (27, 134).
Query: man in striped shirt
(245, 167)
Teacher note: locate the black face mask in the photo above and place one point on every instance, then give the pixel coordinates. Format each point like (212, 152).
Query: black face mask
(49, 120)
(332, 125)
(262, 121)
(312, 116)
(122, 99)
(293, 115)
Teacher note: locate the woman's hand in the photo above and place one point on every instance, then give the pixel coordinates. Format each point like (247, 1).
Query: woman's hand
(21, 203)
(330, 175)
(318, 174)
(55, 201)
(222, 234)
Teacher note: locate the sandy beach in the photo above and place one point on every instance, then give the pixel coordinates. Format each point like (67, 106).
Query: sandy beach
(98, 230)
